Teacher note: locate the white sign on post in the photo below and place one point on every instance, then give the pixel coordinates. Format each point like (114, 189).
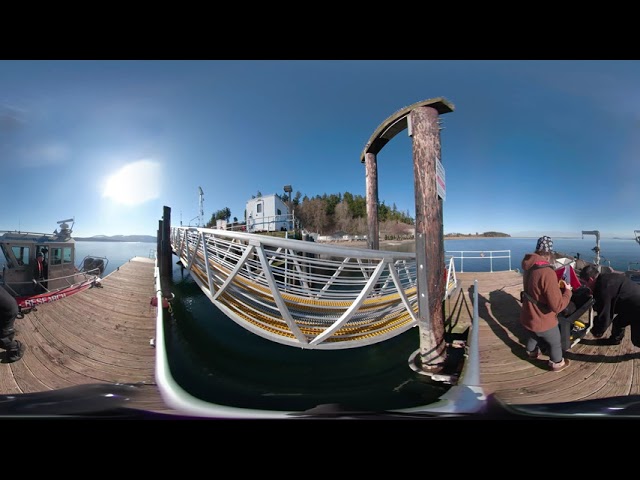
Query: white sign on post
(440, 182)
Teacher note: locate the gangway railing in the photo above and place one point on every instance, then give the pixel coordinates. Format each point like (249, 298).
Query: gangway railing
(464, 397)
(302, 293)
(452, 280)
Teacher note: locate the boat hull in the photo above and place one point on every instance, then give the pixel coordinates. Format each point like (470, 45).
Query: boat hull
(30, 301)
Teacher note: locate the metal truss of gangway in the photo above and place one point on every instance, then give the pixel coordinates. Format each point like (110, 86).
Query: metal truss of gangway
(301, 293)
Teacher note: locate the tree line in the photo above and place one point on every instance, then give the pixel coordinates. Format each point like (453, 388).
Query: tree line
(328, 213)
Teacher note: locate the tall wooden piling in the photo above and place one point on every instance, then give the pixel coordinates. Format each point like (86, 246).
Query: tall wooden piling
(429, 235)
(371, 169)
(165, 249)
(422, 121)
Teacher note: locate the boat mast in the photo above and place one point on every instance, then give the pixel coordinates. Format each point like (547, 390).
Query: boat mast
(596, 249)
(200, 216)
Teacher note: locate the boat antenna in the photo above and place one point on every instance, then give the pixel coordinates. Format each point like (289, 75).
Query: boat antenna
(65, 229)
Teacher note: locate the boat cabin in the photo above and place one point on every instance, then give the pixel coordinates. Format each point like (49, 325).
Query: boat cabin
(21, 267)
(268, 213)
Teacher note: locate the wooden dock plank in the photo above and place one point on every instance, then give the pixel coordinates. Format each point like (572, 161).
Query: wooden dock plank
(635, 383)
(595, 371)
(100, 335)
(100, 342)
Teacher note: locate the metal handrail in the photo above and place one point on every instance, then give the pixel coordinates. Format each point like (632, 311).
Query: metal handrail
(302, 293)
(489, 255)
(19, 232)
(452, 280)
(307, 294)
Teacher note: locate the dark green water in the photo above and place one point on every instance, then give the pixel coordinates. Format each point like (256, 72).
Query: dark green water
(217, 361)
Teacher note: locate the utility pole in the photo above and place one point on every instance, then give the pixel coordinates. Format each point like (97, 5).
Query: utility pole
(201, 220)
(288, 189)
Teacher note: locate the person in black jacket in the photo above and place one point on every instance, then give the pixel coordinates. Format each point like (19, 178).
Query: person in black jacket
(8, 313)
(617, 302)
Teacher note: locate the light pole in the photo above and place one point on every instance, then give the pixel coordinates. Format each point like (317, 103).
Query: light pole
(288, 190)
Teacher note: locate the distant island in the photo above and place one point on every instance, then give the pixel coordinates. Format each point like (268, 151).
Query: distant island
(118, 238)
(471, 235)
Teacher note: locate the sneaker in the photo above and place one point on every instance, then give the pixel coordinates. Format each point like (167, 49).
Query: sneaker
(561, 365)
(16, 354)
(534, 354)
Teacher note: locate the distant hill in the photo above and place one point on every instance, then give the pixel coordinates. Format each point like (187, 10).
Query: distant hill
(118, 238)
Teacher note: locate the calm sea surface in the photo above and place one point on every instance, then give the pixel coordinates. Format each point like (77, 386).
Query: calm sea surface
(616, 253)
(118, 253)
(220, 362)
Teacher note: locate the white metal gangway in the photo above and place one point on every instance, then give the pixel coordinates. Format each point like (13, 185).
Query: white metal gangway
(301, 293)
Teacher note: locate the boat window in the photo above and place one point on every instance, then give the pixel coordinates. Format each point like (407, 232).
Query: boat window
(66, 257)
(7, 257)
(259, 208)
(55, 256)
(21, 253)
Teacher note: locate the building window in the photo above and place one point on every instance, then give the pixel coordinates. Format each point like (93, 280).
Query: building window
(7, 257)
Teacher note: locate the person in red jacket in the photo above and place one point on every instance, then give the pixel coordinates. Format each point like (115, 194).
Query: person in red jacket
(542, 300)
(41, 270)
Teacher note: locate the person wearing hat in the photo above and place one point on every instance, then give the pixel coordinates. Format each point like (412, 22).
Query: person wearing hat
(617, 302)
(542, 300)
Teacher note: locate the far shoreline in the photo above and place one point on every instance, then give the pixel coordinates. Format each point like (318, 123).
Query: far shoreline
(363, 243)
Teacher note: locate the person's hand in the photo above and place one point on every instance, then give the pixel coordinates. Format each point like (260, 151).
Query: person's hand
(565, 285)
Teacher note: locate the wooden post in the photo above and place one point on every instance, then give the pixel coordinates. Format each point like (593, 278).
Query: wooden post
(159, 246)
(425, 130)
(166, 270)
(371, 174)
(421, 119)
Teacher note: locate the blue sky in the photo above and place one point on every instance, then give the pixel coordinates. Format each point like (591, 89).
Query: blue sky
(532, 147)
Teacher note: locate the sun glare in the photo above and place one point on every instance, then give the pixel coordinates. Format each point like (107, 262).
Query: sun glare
(134, 183)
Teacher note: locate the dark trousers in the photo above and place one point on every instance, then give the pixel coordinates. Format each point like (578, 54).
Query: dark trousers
(620, 323)
(8, 312)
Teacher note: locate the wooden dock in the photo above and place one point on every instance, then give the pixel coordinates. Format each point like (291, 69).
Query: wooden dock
(99, 336)
(594, 372)
(102, 336)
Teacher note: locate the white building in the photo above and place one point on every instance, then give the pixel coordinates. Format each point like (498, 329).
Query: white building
(268, 213)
